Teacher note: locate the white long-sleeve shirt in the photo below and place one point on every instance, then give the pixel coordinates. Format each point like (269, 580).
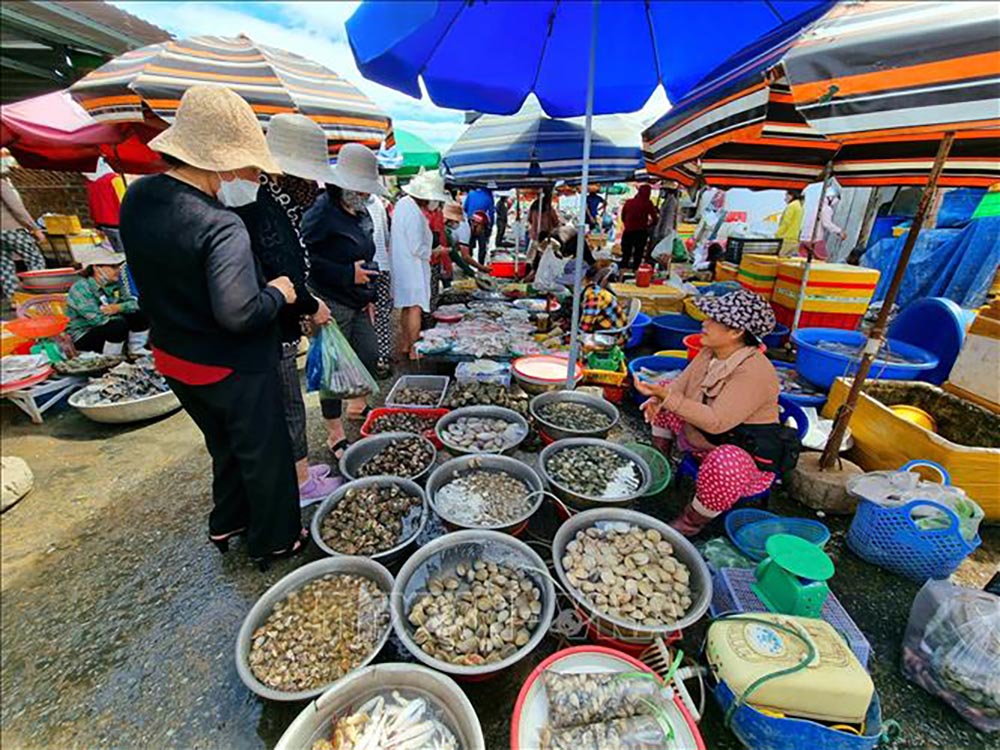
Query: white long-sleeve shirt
(827, 227)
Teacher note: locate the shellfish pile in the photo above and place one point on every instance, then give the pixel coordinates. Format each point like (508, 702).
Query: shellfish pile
(402, 421)
(412, 396)
(319, 633)
(480, 613)
(390, 721)
(594, 471)
(124, 382)
(483, 497)
(482, 434)
(629, 573)
(372, 519)
(571, 415)
(406, 457)
(485, 394)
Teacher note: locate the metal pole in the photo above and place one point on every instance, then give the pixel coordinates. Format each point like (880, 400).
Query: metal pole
(804, 285)
(874, 343)
(581, 230)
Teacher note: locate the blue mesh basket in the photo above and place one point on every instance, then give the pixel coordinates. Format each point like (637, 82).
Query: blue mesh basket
(749, 529)
(891, 539)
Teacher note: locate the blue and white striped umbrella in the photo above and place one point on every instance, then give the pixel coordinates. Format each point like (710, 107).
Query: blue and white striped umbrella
(531, 148)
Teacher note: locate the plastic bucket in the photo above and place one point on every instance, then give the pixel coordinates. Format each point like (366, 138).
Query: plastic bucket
(671, 329)
(637, 331)
(693, 345)
(657, 364)
(822, 367)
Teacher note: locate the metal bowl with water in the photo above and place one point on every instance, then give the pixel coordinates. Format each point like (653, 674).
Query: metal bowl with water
(700, 581)
(482, 412)
(444, 554)
(295, 580)
(583, 502)
(456, 467)
(412, 525)
(560, 433)
(364, 449)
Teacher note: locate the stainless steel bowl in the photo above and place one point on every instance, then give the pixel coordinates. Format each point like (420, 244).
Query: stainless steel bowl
(583, 502)
(457, 466)
(388, 556)
(443, 554)
(316, 720)
(295, 580)
(561, 433)
(364, 449)
(125, 412)
(534, 387)
(685, 552)
(489, 412)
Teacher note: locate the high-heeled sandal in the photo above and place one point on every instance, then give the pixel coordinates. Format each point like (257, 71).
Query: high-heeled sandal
(221, 541)
(299, 545)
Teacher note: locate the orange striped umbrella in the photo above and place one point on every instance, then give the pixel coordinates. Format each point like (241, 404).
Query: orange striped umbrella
(147, 84)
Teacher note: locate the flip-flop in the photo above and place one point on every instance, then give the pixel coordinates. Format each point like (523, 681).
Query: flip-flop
(362, 415)
(341, 445)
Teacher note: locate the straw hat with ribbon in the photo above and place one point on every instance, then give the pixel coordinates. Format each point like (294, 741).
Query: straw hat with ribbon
(299, 146)
(428, 186)
(99, 256)
(216, 130)
(357, 169)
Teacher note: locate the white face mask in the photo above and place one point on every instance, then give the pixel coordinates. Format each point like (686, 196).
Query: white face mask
(433, 205)
(238, 192)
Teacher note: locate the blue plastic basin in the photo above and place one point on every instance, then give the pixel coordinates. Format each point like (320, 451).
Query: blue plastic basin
(799, 398)
(822, 367)
(671, 329)
(777, 337)
(657, 364)
(637, 332)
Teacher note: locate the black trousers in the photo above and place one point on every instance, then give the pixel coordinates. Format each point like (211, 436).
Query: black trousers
(253, 485)
(482, 241)
(115, 331)
(633, 247)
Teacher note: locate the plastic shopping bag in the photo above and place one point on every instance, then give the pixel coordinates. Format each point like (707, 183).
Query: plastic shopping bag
(333, 369)
(633, 733)
(589, 697)
(952, 650)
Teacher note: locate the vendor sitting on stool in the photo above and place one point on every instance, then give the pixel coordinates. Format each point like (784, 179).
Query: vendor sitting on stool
(600, 309)
(102, 312)
(723, 409)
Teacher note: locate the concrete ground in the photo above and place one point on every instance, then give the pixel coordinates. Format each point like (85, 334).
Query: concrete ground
(119, 619)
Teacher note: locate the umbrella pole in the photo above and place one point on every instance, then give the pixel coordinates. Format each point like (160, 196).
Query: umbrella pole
(800, 302)
(581, 230)
(874, 343)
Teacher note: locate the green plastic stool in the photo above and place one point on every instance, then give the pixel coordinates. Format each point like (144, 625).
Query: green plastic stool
(791, 580)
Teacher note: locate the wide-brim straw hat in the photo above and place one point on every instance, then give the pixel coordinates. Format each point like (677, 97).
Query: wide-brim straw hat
(453, 212)
(357, 169)
(216, 130)
(427, 186)
(299, 146)
(99, 256)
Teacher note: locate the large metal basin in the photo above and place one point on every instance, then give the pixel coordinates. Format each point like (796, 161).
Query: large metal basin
(295, 580)
(561, 433)
(316, 720)
(685, 552)
(449, 470)
(388, 556)
(125, 412)
(362, 450)
(583, 502)
(443, 554)
(483, 412)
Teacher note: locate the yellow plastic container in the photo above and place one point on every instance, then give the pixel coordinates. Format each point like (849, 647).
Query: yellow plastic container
(606, 377)
(682, 353)
(831, 288)
(916, 415)
(726, 271)
(62, 224)
(692, 309)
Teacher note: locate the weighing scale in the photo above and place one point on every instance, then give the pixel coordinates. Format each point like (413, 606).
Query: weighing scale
(833, 687)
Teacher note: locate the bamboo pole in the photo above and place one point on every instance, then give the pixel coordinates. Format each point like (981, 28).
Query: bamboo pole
(874, 343)
(817, 222)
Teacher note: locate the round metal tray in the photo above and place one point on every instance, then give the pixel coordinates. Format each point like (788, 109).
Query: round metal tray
(488, 412)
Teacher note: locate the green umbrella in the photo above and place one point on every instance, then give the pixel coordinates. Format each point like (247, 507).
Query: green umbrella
(409, 155)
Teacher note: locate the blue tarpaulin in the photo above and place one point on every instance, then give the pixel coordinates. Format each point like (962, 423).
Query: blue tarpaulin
(958, 264)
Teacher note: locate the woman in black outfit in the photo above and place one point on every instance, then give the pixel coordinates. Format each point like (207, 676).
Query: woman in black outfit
(337, 231)
(214, 320)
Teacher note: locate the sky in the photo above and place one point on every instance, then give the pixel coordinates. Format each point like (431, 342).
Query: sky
(316, 30)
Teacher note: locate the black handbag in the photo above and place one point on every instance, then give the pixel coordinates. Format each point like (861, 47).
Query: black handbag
(774, 447)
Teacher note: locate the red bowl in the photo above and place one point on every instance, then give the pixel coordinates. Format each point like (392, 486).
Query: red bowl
(693, 344)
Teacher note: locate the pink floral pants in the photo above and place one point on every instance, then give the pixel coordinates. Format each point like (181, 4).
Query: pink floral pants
(727, 473)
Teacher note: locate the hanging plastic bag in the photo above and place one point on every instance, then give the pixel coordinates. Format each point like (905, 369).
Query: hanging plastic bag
(952, 650)
(634, 733)
(588, 697)
(333, 369)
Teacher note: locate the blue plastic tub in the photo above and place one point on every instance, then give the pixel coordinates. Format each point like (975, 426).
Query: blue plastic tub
(657, 364)
(671, 329)
(822, 367)
(777, 338)
(937, 325)
(800, 399)
(637, 332)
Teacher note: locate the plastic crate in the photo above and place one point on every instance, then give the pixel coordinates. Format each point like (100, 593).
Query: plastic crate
(731, 592)
(726, 271)
(606, 377)
(610, 360)
(428, 433)
(846, 321)
(736, 246)
(436, 383)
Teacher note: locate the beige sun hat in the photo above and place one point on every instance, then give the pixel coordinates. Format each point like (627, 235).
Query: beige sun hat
(99, 256)
(299, 146)
(357, 169)
(215, 129)
(428, 186)
(453, 212)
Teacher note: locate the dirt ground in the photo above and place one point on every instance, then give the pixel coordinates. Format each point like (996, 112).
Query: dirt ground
(119, 620)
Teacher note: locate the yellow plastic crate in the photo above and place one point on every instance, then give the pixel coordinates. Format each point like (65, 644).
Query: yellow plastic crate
(62, 224)
(788, 297)
(606, 377)
(726, 271)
